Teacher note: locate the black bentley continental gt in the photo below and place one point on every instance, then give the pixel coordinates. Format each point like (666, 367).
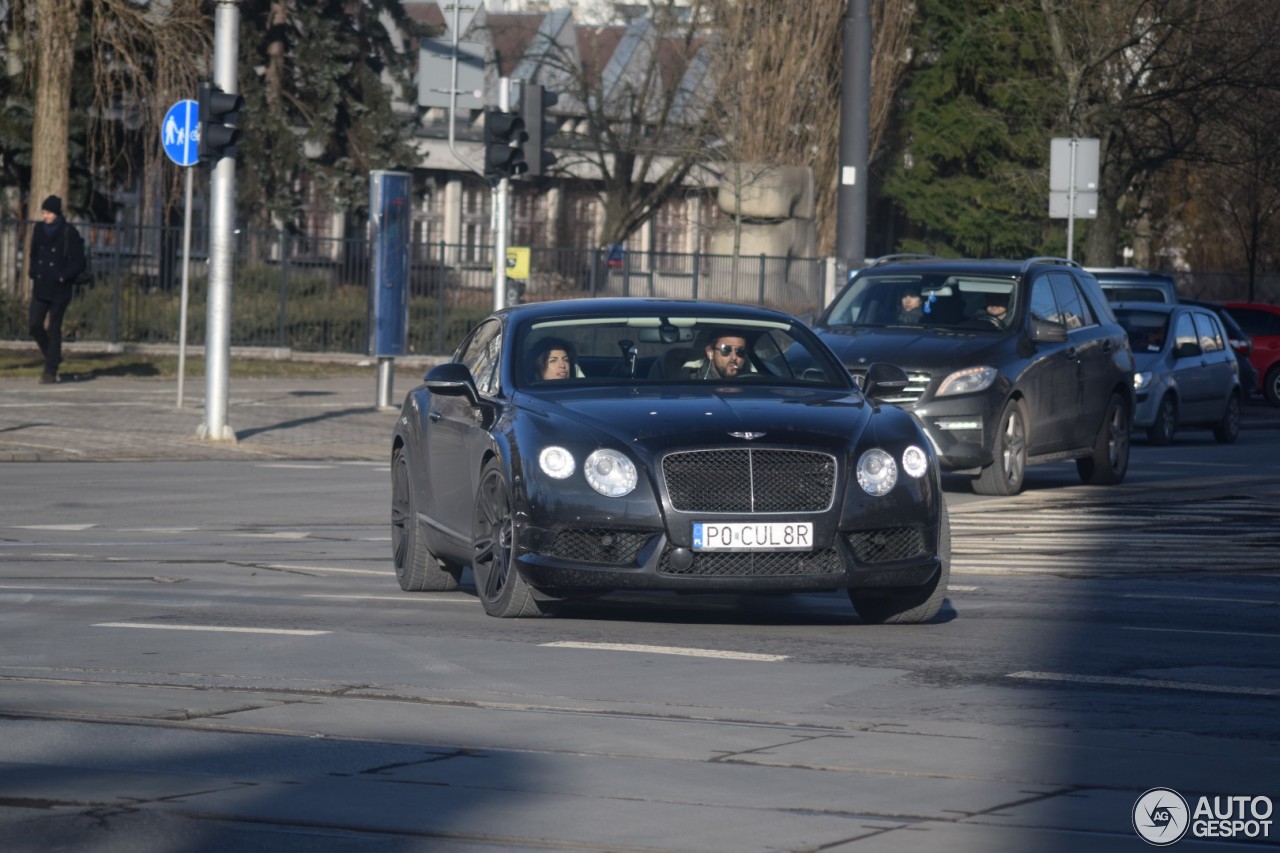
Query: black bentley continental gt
(579, 447)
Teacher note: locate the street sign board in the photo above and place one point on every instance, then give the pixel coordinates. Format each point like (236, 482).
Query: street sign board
(180, 133)
(1085, 205)
(1084, 153)
(435, 73)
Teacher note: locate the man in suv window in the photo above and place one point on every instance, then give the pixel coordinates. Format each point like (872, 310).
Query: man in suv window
(1052, 380)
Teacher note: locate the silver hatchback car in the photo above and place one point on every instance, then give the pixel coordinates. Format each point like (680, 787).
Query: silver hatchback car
(1185, 373)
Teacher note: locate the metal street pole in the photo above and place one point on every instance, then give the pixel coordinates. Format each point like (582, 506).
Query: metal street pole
(502, 196)
(855, 130)
(186, 270)
(217, 345)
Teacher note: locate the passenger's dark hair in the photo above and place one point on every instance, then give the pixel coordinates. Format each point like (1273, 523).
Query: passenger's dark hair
(542, 351)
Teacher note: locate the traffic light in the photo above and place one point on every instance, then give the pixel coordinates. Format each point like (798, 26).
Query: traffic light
(504, 139)
(218, 131)
(536, 100)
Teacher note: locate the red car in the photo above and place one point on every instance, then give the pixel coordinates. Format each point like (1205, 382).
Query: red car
(1262, 323)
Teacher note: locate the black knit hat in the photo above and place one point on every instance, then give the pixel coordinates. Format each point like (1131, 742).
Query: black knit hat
(53, 204)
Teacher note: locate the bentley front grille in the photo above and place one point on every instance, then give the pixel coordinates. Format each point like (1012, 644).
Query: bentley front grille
(756, 564)
(886, 545)
(750, 480)
(599, 545)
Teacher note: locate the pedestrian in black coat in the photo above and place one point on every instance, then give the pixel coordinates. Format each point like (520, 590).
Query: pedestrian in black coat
(57, 259)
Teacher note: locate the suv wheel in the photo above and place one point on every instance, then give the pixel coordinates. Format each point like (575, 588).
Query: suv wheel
(1109, 461)
(1008, 454)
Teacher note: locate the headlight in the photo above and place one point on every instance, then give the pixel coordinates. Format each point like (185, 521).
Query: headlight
(915, 461)
(610, 473)
(1141, 380)
(877, 472)
(967, 381)
(556, 462)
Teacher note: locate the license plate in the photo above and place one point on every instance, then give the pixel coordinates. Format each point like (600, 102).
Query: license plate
(753, 536)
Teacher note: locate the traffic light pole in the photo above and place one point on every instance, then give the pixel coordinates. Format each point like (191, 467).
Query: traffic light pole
(217, 345)
(502, 198)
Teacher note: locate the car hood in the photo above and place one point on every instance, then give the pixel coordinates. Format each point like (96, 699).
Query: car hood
(1149, 361)
(912, 349)
(683, 416)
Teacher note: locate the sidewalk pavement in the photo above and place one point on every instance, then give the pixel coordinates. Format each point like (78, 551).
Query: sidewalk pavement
(109, 418)
(301, 418)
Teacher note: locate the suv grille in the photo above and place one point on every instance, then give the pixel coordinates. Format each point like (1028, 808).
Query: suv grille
(756, 564)
(750, 480)
(916, 385)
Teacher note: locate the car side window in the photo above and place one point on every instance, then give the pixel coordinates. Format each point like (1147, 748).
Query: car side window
(1069, 301)
(1209, 332)
(1044, 307)
(1086, 310)
(1184, 335)
(481, 355)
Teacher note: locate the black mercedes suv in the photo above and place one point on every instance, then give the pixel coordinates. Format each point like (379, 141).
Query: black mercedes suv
(1011, 363)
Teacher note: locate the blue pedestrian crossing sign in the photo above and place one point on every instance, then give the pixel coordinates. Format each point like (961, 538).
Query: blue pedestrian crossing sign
(180, 133)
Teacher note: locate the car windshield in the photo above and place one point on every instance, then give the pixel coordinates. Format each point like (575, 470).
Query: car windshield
(936, 300)
(660, 350)
(1147, 330)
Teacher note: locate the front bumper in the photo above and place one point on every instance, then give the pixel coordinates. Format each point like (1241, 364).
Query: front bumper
(960, 428)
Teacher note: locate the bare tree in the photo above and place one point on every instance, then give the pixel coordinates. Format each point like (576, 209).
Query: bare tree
(1141, 76)
(142, 60)
(778, 73)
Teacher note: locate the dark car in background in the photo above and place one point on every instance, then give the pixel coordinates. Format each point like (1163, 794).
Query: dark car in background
(624, 461)
(1010, 363)
(1262, 322)
(1239, 341)
(1130, 284)
(1187, 375)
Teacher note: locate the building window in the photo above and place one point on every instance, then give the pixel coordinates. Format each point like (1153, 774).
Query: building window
(475, 221)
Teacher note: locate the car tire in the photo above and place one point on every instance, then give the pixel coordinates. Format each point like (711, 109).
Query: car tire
(1107, 465)
(502, 591)
(1166, 425)
(417, 569)
(1227, 430)
(1008, 466)
(1271, 387)
(910, 605)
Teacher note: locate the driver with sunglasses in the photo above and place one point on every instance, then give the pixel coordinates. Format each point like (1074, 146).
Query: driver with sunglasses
(726, 356)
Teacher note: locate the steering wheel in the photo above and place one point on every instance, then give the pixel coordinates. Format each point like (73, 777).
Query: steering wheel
(990, 320)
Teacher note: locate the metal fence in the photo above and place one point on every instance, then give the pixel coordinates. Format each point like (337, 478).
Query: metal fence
(311, 294)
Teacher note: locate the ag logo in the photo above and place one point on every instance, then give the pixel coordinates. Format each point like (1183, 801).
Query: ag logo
(1161, 816)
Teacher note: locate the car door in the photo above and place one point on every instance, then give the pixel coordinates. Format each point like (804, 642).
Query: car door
(1195, 386)
(1050, 382)
(1093, 345)
(449, 427)
(1217, 364)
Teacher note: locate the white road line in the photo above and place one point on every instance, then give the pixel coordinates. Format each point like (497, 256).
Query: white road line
(1198, 631)
(403, 599)
(279, 534)
(1118, 681)
(1270, 602)
(221, 629)
(959, 588)
(297, 568)
(665, 650)
(72, 528)
(297, 465)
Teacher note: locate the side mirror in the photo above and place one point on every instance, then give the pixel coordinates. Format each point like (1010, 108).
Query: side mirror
(452, 379)
(883, 379)
(1043, 331)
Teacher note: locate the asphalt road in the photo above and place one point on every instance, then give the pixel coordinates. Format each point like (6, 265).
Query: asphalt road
(215, 655)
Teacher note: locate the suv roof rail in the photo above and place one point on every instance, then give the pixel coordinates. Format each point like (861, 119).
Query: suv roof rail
(1030, 262)
(902, 256)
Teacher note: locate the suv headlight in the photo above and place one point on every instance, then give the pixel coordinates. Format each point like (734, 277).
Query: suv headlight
(967, 381)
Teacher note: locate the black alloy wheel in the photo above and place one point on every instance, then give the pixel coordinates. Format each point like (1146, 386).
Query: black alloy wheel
(1227, 430)
(493, 548)
(417, 569)
(1271, 387)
